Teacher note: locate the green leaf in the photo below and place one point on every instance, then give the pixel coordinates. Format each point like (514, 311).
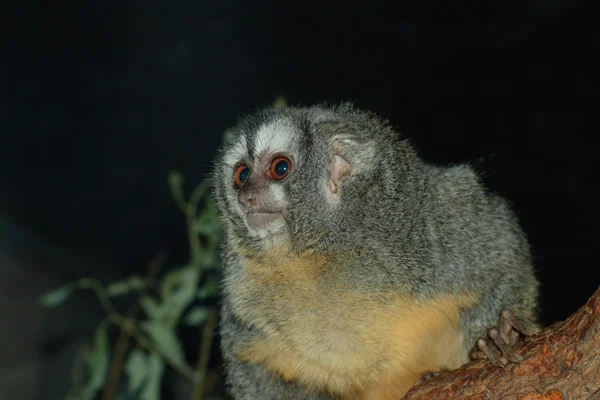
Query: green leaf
(151, 307)
(196, 316)
(176, 184)
(57, 296)
(133, 283)
(207, 259)
(136, 369)
(97, 363)
(208, 222)
(164, 338)
(178, 290)
(210, 289)
(154, 373)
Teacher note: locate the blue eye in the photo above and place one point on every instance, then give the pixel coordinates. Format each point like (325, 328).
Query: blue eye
(280, 167)
(244, 174)
(241, 174)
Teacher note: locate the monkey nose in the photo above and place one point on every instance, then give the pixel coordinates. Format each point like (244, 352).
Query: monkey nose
(247, 199)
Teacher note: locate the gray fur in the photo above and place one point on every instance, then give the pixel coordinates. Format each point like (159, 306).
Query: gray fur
(406, 223)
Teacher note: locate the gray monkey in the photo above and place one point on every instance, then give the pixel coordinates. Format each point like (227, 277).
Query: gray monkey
(352, 267)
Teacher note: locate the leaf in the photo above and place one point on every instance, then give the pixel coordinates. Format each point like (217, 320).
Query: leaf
(209, 225)
(210, 289)
(154, 373)
(136, 369)
(178, 289)
(97, 363)
(151, 307)
(57, 296)
(164, 338)
(208, 222)
(176, 184)
(196, 316)
(133, 283)
(207, 259)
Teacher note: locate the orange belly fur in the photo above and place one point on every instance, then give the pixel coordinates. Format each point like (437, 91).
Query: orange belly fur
(350, 344)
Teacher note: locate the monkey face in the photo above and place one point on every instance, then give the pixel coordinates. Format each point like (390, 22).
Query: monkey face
(259, 188)
(292, 174)
(263, 175)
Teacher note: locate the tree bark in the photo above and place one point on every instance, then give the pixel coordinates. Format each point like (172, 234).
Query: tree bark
(562, 362)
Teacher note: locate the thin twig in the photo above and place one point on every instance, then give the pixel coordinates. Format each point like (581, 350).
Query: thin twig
(122, 344)
(211, 322)
(191, 213)
(189, 208)
(196, 196)
(129, 327)
(78, 368)
(204, 356)
(175, 184)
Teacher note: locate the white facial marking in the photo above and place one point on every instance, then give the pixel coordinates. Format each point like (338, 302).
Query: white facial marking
(275, 137)
(237, 152)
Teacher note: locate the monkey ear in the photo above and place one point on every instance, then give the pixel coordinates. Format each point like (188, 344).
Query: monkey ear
(338, 167)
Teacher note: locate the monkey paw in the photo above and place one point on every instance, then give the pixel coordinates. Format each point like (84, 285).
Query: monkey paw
(499, 345)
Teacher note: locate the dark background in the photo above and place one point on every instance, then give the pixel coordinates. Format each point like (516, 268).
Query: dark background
(100, 99)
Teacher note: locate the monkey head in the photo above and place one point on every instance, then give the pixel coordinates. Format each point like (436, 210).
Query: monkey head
(301, 175)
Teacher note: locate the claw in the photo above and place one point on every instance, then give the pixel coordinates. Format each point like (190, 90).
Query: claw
(504, 337)
(503, 341)
(498, 360)
(518, 324)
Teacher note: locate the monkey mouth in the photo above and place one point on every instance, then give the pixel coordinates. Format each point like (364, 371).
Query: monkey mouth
(258, 220)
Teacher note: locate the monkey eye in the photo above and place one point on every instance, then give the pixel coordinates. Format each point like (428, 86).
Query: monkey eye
(241, 174)
(280, 167)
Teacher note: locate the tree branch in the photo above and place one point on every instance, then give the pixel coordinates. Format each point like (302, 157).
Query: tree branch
(562, 362)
